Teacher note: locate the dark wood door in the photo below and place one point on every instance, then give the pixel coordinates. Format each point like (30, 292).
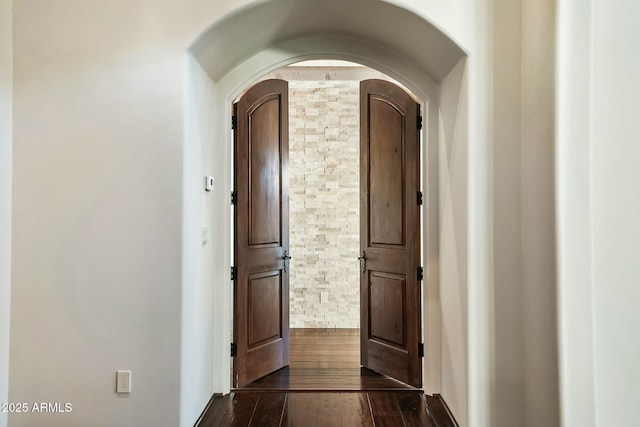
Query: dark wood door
(261, 293)
(390, 297)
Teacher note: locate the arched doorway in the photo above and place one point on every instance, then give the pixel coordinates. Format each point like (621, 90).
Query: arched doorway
(224, 60)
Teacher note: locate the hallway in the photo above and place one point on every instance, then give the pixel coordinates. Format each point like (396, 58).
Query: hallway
(116, 240)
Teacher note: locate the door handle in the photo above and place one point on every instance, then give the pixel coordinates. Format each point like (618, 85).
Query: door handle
(286, 259)
(363, 261)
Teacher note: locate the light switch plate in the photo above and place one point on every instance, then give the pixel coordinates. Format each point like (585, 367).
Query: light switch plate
(205, 240)
(208, 183)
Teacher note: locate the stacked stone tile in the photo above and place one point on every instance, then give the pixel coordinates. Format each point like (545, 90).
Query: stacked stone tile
(324, 203)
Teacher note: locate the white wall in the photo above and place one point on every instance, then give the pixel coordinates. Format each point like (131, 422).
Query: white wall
(453, 290)
(453, 17)
(539, 272)
(6, 157)
(201, 229)
(599, 206)
(574, 216)
(615, 133)
(508, 341)
(480, 221)
(512, 347)
(97, 208)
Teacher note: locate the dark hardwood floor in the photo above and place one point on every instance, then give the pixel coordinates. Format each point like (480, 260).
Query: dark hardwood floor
(325, 359)
(326, 409)
(324, 386)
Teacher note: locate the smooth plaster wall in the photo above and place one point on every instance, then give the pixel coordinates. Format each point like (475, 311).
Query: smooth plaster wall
(453, 17)
(480, 221)
(539, 272)
(520, 288)
(574, 202)
(508, 398)
(98, 137)
(615, 131)
(525, 358)
(598, 206)
(6, 161)
(453, 153)
(202, 226)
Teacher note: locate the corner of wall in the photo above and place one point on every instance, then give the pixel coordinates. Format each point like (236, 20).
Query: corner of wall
(480, 220)
(6, 157)
(454, 239)
(197, 353)
(539, 251)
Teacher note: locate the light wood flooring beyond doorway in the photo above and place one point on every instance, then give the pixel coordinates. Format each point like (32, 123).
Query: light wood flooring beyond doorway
(325, 359)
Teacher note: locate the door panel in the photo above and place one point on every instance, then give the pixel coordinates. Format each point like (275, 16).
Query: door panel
(390, 232)
(387, 170)
(264, 173)
(264, 308)
(261, 288)
(387, 296)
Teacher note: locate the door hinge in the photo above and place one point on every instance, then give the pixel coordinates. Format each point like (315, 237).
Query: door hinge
(420, 274)
(234, 198)
(234, 349)
(234, 273)
(420, 197)
(421, 350)
(419, 122)
(234, 122)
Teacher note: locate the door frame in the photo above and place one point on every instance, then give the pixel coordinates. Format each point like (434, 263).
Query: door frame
(234, 225)
(217, 98)
(430, 212)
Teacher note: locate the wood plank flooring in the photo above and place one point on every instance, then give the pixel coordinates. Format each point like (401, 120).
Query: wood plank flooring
(325, 409)
(325, 359)
(325, 387)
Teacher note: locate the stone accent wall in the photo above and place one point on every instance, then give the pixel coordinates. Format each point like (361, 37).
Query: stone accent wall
(324, 203)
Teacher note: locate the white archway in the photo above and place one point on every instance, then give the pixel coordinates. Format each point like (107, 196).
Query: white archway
(235, 52)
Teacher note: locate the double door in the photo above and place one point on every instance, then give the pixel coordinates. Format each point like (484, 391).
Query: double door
(390, 297)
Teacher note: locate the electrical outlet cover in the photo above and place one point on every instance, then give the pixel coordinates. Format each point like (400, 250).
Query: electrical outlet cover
(123, 382)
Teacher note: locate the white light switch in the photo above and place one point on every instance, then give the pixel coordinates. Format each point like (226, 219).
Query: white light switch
(205, 240)
(208, 183)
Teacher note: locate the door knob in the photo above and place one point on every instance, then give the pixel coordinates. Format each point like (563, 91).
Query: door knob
(363, 261)
(286, 259)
